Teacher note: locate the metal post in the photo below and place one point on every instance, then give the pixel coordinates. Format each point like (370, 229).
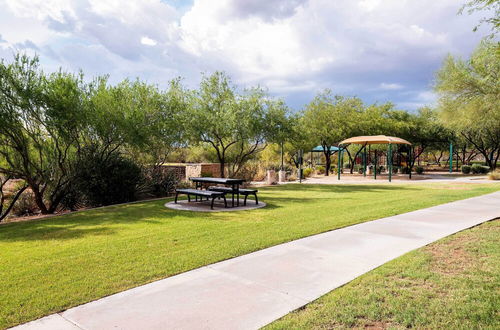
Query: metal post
(451, 157)
(300, 166)
(389, 162)
(338, 163)
(409, 161)
(375, 172)
(364, 161)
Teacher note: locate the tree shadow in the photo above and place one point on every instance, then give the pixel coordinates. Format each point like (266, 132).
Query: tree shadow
(112, 219)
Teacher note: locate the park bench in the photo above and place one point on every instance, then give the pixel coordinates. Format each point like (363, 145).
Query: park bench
(244, 192)
(201, 193)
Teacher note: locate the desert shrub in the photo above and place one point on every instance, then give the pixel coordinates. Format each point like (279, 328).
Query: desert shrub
(395, 169)
(106, 180)
(252, 171)
(320, 169)
(479, 169)
(206, 174)
(158, 181)
(307, 172)
(466, 169)
(381, 169)
(494, 175)
(419, 169)
(25, 205)
(292, 177)
(360, 170)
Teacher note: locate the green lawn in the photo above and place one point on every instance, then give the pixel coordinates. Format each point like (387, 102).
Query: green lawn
(451, 284)
(53, 264)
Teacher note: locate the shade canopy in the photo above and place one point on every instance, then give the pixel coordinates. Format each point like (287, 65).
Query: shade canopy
(375, 139)
(320, 149)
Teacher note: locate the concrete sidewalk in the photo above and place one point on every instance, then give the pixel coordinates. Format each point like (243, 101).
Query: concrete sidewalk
(253, 290)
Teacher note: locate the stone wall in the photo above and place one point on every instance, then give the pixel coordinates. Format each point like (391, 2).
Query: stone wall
(204, 169)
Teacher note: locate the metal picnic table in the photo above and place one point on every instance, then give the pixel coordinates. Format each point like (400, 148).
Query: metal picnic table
(234, 183)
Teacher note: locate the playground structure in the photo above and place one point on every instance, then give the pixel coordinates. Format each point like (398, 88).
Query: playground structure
(367, 141)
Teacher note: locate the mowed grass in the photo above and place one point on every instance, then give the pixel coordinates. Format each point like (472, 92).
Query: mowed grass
(50, 265)
(450, 284)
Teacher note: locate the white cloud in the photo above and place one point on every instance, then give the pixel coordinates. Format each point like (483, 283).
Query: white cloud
(295, 47)
(148, 41)
(390, 86)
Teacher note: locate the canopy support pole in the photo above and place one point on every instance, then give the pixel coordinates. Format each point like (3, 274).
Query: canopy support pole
(364, 161)
(409, 161)
(338, 163)
(375, 168)
(389, 162)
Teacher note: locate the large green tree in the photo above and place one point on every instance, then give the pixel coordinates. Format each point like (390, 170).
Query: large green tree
(41, 118)
(330, 118)
(236, 125)
(469, 99)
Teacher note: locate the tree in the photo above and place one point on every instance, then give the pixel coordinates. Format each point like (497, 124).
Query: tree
(236, 126)
(40, 121)
(489, 5)
(469, 99)
(329, 118)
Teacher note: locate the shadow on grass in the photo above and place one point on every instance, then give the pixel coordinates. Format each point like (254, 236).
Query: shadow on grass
(109, 220)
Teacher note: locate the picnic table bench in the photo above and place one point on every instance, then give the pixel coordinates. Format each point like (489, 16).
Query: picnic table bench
(201, 193)
(244, 192)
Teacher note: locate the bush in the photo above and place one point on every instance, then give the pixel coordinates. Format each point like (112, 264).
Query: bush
(25, 205)
(494, 175)
(479, 169)
(307, 172)
(158, 181)
(405, 170)
(360, 170)
(465, 169)
(206, 174)
(320, 169)
(105, 181)
(381, 169)
(419, 169)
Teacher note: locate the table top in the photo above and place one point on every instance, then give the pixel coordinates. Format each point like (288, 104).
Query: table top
(218, 180)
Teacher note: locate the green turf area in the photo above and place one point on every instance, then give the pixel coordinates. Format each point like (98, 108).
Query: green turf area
(53, 264)
(450, 284)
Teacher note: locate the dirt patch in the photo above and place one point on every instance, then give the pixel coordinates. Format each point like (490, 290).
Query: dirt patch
(453, 257)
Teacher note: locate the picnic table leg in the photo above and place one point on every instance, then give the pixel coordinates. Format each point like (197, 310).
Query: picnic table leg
(189, 198)
(232, 195)
(238, 194)
(245, 202)
(176, 195)
(256, 199)
(225, 202)
(212, 205)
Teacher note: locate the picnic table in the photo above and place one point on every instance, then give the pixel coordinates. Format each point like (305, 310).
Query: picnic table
(234, 183)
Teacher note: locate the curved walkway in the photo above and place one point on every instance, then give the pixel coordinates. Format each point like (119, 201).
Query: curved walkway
(253, 290)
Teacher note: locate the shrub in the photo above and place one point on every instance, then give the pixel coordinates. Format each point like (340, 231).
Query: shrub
(292, 177)
(419, 169)
(494, 175)
(320, 169)
(25, 205)
(405, 170)
(465, 169)
(105, 181)
(360, 170)
(381, 169)
(158, 181)
(479, 169)
(206, 174)
(307, 172)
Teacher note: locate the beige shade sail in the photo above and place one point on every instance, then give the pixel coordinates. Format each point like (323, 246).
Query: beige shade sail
(375, 139)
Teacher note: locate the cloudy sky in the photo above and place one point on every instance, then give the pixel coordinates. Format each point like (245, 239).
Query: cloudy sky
(379, 50)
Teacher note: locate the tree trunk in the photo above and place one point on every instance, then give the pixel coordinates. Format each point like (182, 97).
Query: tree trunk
(35, 188)
(222, 167)
(328, 163)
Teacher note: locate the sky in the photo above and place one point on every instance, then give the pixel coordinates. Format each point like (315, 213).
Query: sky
(378, 50)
